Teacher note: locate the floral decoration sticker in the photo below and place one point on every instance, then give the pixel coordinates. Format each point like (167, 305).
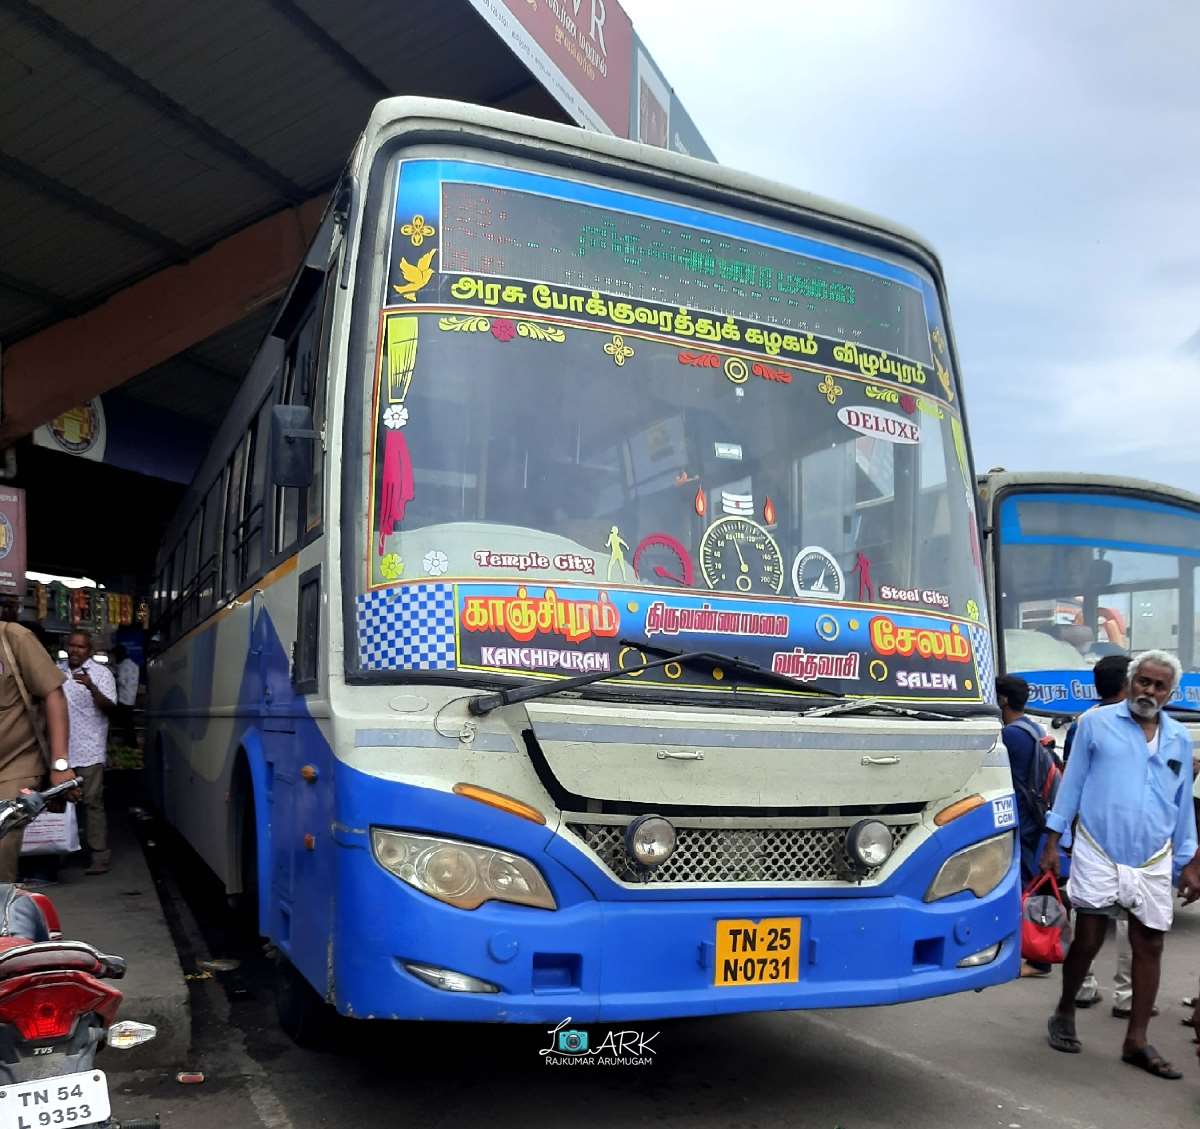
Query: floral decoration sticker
(435, 563)
(504, 329)
(973, 609)
(392, 567)
(395, 417)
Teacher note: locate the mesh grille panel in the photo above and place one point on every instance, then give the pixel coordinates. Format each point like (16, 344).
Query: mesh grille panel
(734, 854)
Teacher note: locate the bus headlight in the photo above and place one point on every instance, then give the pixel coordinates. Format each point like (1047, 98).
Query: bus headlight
(869, 844)
(978, 868)
(460, 874)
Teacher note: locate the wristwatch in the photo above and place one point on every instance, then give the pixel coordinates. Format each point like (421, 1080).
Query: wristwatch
(60, 765)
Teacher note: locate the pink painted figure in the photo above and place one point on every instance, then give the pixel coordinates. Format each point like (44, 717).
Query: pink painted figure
(862, 566)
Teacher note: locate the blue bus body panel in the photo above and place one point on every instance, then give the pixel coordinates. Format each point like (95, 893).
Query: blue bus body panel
(609, 952)
(617, 954)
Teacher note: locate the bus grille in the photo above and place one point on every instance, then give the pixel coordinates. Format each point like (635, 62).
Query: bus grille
(714, 855)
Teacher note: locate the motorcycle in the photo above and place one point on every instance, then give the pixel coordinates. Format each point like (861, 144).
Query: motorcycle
(56, 1011)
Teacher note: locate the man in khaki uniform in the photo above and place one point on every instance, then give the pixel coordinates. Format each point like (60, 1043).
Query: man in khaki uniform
(22, 763)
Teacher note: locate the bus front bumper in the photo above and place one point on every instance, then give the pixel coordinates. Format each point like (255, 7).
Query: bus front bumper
(597, 960)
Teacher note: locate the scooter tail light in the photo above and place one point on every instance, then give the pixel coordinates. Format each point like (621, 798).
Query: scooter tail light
(42, 1006)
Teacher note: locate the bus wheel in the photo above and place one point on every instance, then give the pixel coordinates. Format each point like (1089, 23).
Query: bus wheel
(303, 1016)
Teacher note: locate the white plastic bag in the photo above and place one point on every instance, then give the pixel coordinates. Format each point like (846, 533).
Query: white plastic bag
(52, 833)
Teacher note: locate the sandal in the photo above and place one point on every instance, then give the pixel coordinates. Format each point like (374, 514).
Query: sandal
(1148, 1059)
(1061, 1035)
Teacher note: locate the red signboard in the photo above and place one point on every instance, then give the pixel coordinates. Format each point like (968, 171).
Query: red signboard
(580, 50)
(12, 540)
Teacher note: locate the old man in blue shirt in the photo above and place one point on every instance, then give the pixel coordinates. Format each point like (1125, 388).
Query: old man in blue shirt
(1129, 783)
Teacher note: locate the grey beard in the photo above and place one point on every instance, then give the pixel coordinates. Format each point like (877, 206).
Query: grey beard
(1145, 708)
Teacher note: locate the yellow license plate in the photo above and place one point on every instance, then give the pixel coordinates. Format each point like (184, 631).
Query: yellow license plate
(757, 952)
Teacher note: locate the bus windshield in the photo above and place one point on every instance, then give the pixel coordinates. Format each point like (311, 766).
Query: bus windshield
(1088, 574)
(597, 416)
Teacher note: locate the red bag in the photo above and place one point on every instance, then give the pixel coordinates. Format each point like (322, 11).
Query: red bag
(1045, 923)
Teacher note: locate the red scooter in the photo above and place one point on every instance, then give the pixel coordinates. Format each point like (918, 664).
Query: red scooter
(56, 1011)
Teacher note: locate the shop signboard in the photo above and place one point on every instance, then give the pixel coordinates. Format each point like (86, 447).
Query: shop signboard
(12, 540)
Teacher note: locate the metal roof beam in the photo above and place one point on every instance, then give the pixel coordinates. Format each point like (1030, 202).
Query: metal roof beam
(86, 51)
(153, 320)
(58, 304)
(191, 357)
(89, 206)
(350, 63)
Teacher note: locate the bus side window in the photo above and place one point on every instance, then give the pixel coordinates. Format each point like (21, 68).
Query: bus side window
(246, 504)
(190, 576)
(255, 509)
(306, 655)
(235, 477)
(208, 572)
(176, 591)
(164, 603)
(298, 512)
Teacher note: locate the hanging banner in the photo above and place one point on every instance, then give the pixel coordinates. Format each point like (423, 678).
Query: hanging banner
(12, 540)
(81, 432)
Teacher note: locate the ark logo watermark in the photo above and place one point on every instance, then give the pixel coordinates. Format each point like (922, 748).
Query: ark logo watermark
(572, 1046)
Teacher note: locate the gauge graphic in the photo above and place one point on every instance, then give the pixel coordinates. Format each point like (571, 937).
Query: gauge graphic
(815, 573)
(662, 556)
(737, 553)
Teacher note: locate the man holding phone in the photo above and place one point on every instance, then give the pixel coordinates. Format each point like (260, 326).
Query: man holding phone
(91, 700)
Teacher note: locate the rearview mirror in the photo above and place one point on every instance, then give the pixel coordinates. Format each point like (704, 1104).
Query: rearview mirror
(292, 445)
(1100, 574)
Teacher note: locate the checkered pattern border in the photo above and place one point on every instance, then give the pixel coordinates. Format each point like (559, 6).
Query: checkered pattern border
(981, 643)
(409, 627)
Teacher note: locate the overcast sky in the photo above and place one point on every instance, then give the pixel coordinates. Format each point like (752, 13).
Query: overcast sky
(1051, 153)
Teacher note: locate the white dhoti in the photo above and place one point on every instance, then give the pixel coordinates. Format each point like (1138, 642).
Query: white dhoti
(1098, 883)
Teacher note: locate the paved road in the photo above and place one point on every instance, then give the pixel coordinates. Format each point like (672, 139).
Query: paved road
(963, 1061)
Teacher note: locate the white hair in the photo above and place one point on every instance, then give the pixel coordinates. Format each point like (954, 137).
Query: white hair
(1162, 658)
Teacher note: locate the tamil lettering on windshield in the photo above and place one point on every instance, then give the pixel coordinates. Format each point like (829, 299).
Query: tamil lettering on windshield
(714, 435)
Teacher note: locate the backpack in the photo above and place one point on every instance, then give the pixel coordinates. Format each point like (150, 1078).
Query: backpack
(1039, 789)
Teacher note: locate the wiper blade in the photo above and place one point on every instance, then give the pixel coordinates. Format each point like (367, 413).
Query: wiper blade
(879, 705)
(754, 672)
(484, 703)
(1182, 709)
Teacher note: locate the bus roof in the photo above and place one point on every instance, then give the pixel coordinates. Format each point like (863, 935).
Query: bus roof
(997, 480)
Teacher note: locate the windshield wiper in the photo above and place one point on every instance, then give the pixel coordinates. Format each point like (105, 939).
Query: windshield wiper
(753, 671)
(878, 705)
(1182, 709)
(484, 703)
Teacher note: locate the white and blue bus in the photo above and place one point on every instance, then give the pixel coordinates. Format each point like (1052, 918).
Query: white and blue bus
(581, 610)
(1082, 566)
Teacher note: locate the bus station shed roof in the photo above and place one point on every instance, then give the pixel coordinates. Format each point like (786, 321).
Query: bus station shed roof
(163, 167)
(140, 138)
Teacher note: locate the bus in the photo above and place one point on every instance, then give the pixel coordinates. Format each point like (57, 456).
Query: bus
(1083, 566)
(581, 610)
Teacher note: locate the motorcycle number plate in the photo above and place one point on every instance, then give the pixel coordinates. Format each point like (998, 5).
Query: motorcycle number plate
(69, 1099)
